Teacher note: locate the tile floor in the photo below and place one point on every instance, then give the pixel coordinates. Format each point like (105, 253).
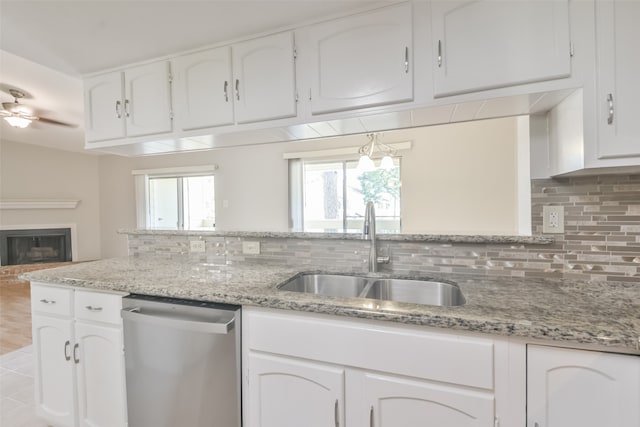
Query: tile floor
(16, 390)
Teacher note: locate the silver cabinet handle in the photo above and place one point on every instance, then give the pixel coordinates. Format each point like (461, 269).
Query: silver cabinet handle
(439, 53)
(67, 346)
(76, 359)
(406, 59)
(92, 308)
(371, 417)
(336, 414)
(610, 102)
(126, 107)
(118, 110)
(48, 301)
(238, 89)
(226, 92)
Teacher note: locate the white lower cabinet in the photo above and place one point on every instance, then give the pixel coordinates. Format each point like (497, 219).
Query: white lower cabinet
(287, 392)
(78, 357)
(567, 388)
(312, 370)
(404, 402)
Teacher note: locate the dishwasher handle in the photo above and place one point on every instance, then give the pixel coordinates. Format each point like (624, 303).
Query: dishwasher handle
(135, 314)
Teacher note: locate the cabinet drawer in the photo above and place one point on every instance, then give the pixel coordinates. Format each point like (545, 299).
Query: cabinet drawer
(50, 299)
(373, 345)
(98, 307)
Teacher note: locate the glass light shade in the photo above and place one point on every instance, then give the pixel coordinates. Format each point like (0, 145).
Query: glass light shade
(365, 164)
(387, 163)
(18, 122)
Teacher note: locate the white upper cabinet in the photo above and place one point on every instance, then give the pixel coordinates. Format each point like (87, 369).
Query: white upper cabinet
(202, 89)
(618, 62)
(582, 388)
(264, 84)
(488, 44)
(147, 103)
(359, 61)
(103, 109)
(135, 102)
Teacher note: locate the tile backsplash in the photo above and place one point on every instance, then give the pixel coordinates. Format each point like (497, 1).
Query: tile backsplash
(601, 241)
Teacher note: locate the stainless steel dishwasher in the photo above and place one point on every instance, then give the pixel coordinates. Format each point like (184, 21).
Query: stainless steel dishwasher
(182, 362)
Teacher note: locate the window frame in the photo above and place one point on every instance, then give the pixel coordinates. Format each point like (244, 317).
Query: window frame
(141, 182)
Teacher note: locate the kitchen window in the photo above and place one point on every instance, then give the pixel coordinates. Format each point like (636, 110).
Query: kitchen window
(330, 196)
(175, 199)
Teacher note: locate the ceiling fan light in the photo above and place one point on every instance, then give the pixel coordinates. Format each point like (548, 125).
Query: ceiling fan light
(18, 122)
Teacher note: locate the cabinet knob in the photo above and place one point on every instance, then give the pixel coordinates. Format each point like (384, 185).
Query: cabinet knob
(92, 308)
(48, 301)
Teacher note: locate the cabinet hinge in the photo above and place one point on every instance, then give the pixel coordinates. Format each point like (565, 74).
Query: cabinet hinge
(571, 51)
(295, 52)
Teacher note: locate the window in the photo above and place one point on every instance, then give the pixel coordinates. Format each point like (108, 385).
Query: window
(175, 201)
(332, 195)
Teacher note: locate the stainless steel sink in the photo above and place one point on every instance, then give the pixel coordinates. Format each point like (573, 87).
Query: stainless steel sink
(416, 292)
(413, 291)
(327, 284)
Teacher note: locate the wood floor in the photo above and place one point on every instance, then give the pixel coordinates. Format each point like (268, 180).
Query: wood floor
(15, 306)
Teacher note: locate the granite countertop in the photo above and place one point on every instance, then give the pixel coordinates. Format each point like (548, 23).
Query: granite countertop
(428, 238)
(604, 315)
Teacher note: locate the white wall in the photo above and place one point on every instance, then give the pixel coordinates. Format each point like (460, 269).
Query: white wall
(459, 179)
(32, 172)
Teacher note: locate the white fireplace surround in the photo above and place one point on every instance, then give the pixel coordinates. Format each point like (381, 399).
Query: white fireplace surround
(72, 227)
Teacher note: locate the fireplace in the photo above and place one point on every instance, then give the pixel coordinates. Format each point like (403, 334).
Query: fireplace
(35, 246)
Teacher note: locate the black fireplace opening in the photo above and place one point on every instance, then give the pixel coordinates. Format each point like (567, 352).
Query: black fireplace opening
(35, 246)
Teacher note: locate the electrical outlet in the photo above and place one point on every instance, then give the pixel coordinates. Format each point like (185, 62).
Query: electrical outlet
(251, 248)
(197, 246)
(553, 219)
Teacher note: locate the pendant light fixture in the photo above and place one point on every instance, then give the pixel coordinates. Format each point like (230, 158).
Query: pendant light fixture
(374, 148)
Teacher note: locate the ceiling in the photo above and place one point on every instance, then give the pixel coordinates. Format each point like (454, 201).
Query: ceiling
(47, 46)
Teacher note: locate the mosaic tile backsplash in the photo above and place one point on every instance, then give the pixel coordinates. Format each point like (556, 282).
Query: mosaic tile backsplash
(601, 241)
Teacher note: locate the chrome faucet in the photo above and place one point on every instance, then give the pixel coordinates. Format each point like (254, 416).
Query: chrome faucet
(369, 232)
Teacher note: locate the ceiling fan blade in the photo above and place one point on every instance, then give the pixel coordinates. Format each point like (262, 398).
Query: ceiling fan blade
(54, 122)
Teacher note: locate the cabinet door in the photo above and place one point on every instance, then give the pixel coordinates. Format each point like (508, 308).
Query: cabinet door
(147, 103)
(618, 62)
(401, 402)
(264, 78)
(53, 370)
(100, 375)
(361, 61)
(103, 107)
(582, 388)
(287, 392)
(487, 44)
(202, 91)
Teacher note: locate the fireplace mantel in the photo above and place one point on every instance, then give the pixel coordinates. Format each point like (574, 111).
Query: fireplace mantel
(38, 203)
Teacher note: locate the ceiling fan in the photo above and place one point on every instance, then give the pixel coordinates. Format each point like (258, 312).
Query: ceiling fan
(20, 116)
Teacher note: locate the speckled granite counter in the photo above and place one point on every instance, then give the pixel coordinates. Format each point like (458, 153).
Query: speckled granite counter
(603, 315)
(426, 238)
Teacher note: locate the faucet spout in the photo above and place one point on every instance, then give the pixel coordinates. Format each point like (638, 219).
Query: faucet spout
(369, 232)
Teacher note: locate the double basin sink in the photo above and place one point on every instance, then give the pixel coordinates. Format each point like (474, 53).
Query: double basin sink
(414, 291)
